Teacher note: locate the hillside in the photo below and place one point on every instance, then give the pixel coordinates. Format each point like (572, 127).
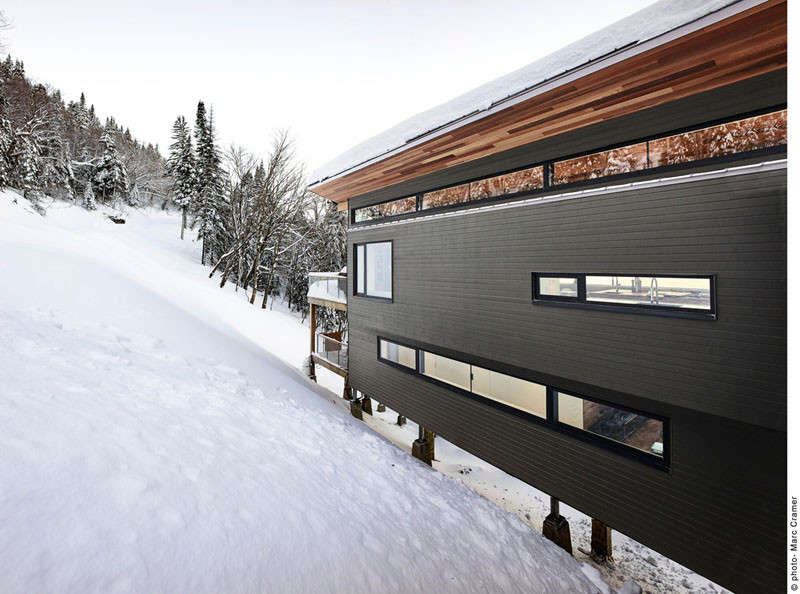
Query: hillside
(53, 147)
(155, 436)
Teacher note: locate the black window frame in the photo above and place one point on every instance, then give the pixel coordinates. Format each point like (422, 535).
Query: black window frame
(608, 442)
(354, 211)
(395, 363)
(365, 295)
(548, 165)
(421, 372)
(582, 302)
(550, 420)
(538, 296)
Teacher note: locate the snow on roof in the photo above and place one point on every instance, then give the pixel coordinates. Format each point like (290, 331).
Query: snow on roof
(650, 22)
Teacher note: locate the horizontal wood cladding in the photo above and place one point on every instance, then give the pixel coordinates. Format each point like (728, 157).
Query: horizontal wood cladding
(465, 282)
(732, 101)
(720, 511)
(743, 46)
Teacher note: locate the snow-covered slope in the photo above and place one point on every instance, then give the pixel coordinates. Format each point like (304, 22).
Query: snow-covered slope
(150, 443)
(644, 25)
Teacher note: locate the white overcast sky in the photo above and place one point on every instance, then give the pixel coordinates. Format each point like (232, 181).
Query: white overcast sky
(333, 72)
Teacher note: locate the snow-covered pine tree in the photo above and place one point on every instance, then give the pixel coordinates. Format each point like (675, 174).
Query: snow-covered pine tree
(110, 175)
(89, 202)
(24, 157)
(181, 169)
(18, 69)
(78, 123)
(56, 176)
(135, 196)
(47, 146)
(6, 132)
(6, 136)
(210, 189)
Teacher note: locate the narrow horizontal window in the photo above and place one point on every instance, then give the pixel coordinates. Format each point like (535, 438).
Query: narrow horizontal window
(386, 209)
(749, 134)
(602, 164)
(565, 287)
(639, 435)
(631, 429)
(674, 295)
(445, 370)
(653, 291)
(374, 269)
(523, 395)
(720, 140)
(758, 132)
(445, 197)
(397, 353)
(510, 183)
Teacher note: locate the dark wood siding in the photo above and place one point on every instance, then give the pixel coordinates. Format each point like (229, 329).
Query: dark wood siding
(464, 283)
(466, 280)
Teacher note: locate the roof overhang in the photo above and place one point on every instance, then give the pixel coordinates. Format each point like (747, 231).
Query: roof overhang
(735, 43)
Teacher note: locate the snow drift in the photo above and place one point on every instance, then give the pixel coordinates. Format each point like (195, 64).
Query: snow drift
(150, 443)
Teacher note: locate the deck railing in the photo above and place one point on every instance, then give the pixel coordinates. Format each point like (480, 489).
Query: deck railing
(332, 350)
(330, 286)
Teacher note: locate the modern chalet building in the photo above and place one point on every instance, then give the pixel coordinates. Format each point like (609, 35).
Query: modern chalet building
(577, 272)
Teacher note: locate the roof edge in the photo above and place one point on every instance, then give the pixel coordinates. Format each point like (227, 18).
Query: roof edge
(614, 57)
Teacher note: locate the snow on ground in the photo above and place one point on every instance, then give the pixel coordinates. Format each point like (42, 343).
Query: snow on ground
(155, 436)
(632, 561)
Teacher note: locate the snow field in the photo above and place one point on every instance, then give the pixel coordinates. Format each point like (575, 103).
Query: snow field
(149, 442)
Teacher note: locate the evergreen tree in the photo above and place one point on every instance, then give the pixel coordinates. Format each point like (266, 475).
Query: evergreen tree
(25, 163)
(88, 198)
(181, 168)
(6, 136)
(110, 175)
(135, 196)
(6, 133)
(210, 189)
(47, 146)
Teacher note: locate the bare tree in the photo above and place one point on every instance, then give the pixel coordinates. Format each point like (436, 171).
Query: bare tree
(265, 206)
(242, 169)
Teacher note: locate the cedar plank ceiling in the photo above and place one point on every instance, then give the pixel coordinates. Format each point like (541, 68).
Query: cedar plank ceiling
(747, 44)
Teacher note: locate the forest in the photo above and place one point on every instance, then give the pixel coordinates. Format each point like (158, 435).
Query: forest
(260, 228)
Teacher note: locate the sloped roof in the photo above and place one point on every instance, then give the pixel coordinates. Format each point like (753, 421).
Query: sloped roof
(652, 21)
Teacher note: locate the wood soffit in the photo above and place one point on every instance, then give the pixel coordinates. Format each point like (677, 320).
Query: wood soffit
(742, 46)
